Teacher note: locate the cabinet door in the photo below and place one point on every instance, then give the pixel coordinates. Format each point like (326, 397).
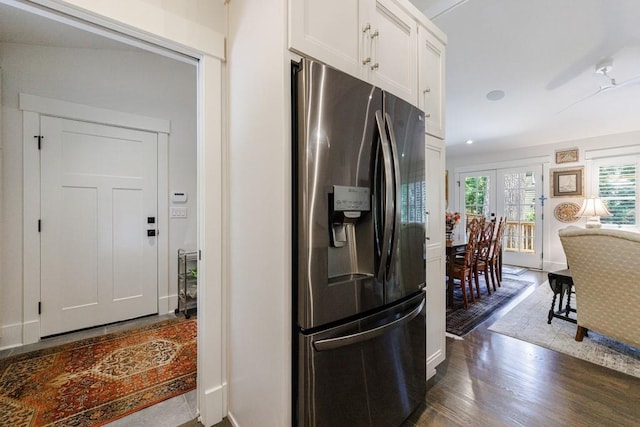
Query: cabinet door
(317, 31)
(435, 251)
(431, 57)
(393, 48)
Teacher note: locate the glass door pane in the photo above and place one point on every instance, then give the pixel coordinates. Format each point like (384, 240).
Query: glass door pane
(478, 197)
(519, 189)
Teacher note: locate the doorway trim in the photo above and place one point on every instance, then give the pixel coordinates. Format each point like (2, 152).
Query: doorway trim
(33, 107)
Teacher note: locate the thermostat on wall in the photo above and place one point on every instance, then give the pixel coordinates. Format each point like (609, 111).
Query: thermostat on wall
(179, 197)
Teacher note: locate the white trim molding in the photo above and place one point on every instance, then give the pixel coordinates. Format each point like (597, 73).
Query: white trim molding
(87, 113)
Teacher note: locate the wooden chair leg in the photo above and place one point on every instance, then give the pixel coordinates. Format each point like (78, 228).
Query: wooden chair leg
(470, 280)
(477, 281)
(580, 333)
(494, 276)
(464, 293)
(486, 279)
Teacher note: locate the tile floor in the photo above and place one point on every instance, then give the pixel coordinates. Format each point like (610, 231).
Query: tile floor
(169, 413)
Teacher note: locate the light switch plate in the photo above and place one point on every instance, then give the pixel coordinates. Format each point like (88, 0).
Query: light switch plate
(178, 212)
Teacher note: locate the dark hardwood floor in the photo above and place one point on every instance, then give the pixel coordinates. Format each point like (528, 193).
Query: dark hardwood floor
(489, 379)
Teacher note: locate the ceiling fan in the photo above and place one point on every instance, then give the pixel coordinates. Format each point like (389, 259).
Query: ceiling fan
(604, 68)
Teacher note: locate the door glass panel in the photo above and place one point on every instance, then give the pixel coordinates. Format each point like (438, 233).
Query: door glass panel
(519, 198)
(476, 196)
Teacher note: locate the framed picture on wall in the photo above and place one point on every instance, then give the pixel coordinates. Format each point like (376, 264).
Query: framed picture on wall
(566, 182)
(567, 156)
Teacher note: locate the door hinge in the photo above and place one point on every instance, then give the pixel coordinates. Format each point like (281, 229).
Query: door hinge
(39, 226)
(199, 254)
(40, 138)
(39, 307)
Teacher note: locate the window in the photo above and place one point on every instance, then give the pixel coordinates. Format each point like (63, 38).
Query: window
(616, 184)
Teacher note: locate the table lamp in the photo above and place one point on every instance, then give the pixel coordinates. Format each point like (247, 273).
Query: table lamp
(593, 208)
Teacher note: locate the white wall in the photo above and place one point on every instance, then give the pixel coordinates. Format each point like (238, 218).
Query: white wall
(554, 258)
(260, 229)
(134, 82)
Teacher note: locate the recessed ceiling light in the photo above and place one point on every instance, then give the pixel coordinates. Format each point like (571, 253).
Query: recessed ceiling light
(469, 141)
(495, 95)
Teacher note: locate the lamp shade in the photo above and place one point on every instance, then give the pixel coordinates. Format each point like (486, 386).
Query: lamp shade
(594, 208)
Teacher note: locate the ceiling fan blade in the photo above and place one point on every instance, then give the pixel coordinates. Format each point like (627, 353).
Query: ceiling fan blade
(599, 91)
(633, 81)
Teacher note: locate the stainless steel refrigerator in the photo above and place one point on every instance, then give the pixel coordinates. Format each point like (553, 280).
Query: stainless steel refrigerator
(358, 251)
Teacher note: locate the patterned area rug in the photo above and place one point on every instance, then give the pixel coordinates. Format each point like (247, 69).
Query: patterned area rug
(460, 321)
(528, 322)
(96, 380)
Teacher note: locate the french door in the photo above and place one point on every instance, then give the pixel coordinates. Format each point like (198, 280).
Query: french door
(512, 193)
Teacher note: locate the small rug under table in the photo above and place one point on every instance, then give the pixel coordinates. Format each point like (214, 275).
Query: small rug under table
(96, 380)
(461, 321)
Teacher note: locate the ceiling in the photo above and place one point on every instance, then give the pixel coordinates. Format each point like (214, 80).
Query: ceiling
(543, 55)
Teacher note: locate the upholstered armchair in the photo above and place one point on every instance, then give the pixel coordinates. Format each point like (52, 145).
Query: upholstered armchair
(605, 265)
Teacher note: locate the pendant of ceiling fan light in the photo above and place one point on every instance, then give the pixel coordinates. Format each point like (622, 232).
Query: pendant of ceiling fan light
(604, 67)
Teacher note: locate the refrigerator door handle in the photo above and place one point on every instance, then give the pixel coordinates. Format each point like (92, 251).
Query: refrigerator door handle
(345, 340)
(396, 188)
(388, 197)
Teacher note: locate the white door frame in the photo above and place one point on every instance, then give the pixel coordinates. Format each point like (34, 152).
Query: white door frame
(33, 108)
(208, 49)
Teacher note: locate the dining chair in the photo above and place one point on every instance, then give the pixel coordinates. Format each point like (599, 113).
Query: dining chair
(462, 268)
(483, 251)
(495, 255)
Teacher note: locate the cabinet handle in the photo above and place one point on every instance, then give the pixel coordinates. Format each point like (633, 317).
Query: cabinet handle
(427, 90)
(366, 29)
(427, 115)
(375, 66)
(375, 34)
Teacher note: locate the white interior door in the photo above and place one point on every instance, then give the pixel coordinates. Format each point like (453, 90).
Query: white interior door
(98, 191)
(518, 190)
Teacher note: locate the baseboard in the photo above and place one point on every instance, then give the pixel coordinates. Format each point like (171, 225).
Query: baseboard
(211, 406)
(11, 336)
(31, 332)
(232, 420)
(167, 303)
(554, 266)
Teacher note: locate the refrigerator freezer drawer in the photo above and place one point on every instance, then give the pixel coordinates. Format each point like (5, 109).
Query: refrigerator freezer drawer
(370, 372)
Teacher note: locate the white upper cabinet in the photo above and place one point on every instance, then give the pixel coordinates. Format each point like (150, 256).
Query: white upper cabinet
(329, 31)
(431, 60)
(374, 40)
(392, 49)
